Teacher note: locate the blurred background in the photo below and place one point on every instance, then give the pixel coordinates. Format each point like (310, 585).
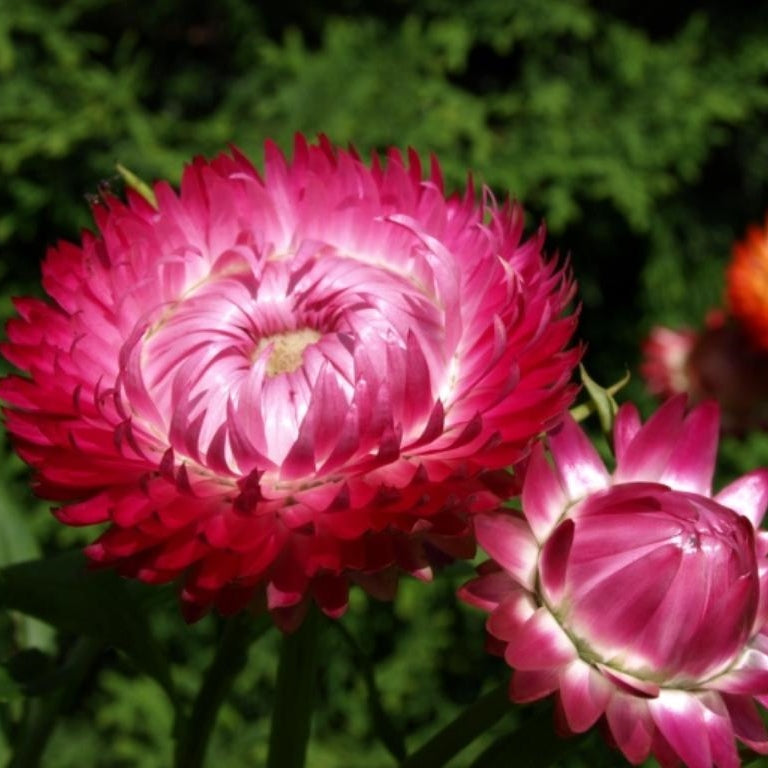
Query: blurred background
(636, 131)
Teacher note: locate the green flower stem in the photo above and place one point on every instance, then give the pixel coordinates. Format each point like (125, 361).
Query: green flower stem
(533, 744)
(230, 657)
(41, 713)
(294, 697)
(462, 731)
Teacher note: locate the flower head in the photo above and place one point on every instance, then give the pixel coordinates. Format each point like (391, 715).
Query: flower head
(638, 595)
(747, 279)
(721, 362)
(270, 385)
(666, 353)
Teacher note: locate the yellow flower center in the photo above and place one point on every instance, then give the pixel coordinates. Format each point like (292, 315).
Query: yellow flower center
(288, 349)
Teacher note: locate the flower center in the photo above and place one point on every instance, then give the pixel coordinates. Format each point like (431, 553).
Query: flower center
(288, 349)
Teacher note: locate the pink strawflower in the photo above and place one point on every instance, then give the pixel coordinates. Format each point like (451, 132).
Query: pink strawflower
(271, 385)
(720, 362)
(638, 596)
(666, 353)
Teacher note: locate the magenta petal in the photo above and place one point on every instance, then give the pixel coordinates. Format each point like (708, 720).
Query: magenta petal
(554, 561)
(722, 742)
(540, 644)
(635, 686)
(692, 463)
(543, 497)
(747, 723)
(580, 467)
(631, 726)
(584, 694)
(680, 718)
(487, 591)
(509, 541)
(748, 676)
(647, 455)
(508, 620)
(532, 684)
(625, 427)
(748, 496)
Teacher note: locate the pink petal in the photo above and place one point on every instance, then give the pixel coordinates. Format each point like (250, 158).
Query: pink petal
(747, 723)
(631, 726)
(554, 561)
(748, 496)
(509, 541)
(748, 676)
(508, 620)
(681, 719)
(541, 644)
(632, 685)
(580, 467)
(693, 460)
(722, 741)
(532, 684)
(647, 456)
(584, 694)
(488, 591)
(543, 497)
(626, 425)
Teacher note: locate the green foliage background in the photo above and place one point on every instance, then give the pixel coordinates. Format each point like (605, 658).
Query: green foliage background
(637, 131)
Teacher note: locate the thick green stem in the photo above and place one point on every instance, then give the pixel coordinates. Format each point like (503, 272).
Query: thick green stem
(462, 731)
(230, 657)
(294, 697)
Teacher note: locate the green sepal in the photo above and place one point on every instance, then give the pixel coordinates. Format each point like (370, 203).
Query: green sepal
(601, 400)
(137, 184)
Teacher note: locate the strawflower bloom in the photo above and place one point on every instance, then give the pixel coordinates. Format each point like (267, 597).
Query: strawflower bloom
(268, 386)
(720, 362)
(666, 353)
(638, 596)
(747, 280)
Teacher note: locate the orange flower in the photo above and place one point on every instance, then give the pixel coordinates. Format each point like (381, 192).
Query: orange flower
(747, 278)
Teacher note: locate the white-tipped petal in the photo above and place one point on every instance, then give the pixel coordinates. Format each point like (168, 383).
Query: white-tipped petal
(580, 467)
(540, 644)
(692, 463)
(626, 425)
(680, 718)
(543, 497)
(509, 541)
(533, 684)
(508, 620)
(646, 457)
(748, 496)
(584, 694)
(631, 726)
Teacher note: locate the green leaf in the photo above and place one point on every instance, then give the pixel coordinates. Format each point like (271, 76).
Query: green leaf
(601, 400)
(63, 592)
(34, 671)
(42, 714)
(533, 744)
(471, 723)
(10, 690)
(17, 543)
